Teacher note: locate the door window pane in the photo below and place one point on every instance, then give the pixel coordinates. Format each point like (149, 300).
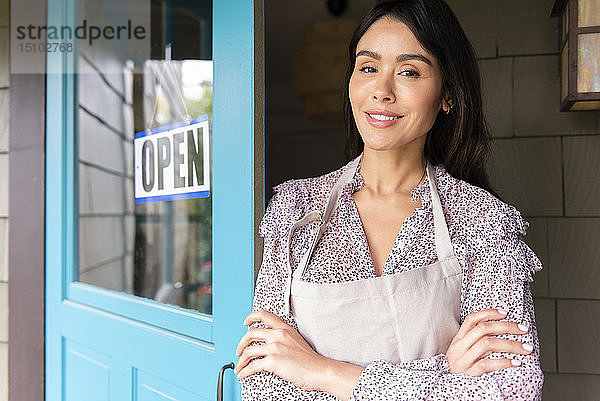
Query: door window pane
(156, 249)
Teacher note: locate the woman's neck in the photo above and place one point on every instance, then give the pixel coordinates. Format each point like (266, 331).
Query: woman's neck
(392, 171)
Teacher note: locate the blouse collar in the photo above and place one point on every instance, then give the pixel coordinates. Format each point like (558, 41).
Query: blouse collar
(422, 190)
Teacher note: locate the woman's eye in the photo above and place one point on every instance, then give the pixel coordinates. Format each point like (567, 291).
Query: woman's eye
(409, 73)
(368, 69)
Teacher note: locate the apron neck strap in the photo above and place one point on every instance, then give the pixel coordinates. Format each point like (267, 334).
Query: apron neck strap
(443, 246)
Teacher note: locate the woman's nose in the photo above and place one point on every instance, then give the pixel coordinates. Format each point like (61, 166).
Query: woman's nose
(384, 91)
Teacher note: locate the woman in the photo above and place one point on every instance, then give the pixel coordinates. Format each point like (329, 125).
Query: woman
(400, 275)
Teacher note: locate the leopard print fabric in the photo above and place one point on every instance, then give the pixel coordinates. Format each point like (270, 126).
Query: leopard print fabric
(486, 235)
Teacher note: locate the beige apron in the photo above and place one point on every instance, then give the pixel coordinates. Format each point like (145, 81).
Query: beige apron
(400, 317)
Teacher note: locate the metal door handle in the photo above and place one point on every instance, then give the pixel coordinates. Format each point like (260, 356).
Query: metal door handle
(230, 365)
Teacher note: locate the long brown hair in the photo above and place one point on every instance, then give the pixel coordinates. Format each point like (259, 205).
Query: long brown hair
(461, 139)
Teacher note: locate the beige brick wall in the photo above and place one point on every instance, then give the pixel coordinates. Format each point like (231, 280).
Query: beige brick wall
(4, 83)
(546, 164)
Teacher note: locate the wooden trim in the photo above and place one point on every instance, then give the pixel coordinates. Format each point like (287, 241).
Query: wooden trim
(588, 29)
(26, 285)
(585, 96)
(572, 73)
(259, 130)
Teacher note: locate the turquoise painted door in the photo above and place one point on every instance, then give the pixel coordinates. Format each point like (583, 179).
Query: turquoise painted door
(145, 296)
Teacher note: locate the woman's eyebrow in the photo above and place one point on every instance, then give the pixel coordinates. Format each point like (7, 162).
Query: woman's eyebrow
(400, 58)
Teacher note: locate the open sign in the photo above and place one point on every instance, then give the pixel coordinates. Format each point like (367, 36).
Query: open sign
(172, 162)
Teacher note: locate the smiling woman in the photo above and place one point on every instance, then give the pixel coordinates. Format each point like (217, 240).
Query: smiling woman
(401, 275)
(394, 78)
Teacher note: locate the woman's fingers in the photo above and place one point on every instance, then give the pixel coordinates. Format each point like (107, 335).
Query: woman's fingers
(251, 353)
(475, 340)
(284, 352)
(490, 328)
(257, 365)
(474, 318)
(269, 319)
(487, 345)
(274, 325)
(473, 361)
(491, 365)
(253, 334)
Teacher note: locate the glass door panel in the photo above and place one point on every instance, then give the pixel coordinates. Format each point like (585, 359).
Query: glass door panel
(158, 248)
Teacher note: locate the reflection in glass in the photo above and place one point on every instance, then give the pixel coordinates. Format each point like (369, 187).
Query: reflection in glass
(588, 13)
(158, 250)
(588, 60)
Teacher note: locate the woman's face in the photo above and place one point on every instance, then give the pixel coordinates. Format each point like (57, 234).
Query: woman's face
(395, 88)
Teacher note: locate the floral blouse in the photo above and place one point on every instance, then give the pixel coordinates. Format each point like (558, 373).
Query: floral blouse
(486, 235)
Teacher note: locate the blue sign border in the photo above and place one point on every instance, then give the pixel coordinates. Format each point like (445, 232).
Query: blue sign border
(169, 127)
(187, 195)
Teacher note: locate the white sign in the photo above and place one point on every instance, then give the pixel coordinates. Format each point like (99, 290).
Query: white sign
(172, 162)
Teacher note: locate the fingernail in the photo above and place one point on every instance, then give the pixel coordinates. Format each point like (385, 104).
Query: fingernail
(523, 327)
(528, 347)
(515, 362)
(502, 311)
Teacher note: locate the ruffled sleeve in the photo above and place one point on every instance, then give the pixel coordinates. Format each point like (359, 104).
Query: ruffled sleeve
(498, 275)
(503, 251)
(277, 209)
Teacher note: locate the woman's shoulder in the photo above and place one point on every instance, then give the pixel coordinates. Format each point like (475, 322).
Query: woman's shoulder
(491, 229)
(477, 210)
(295, 197)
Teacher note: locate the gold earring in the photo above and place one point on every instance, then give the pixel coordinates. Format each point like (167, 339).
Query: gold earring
(450, 106)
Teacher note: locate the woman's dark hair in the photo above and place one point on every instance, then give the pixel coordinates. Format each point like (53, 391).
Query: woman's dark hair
(459, 140)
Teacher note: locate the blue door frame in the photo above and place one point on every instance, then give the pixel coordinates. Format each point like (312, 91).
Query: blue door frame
(107, 345)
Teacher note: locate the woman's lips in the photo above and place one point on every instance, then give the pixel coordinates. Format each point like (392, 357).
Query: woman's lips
(382, 119)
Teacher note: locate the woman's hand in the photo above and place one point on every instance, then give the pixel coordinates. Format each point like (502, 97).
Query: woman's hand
(284, 353)
(473, 342)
